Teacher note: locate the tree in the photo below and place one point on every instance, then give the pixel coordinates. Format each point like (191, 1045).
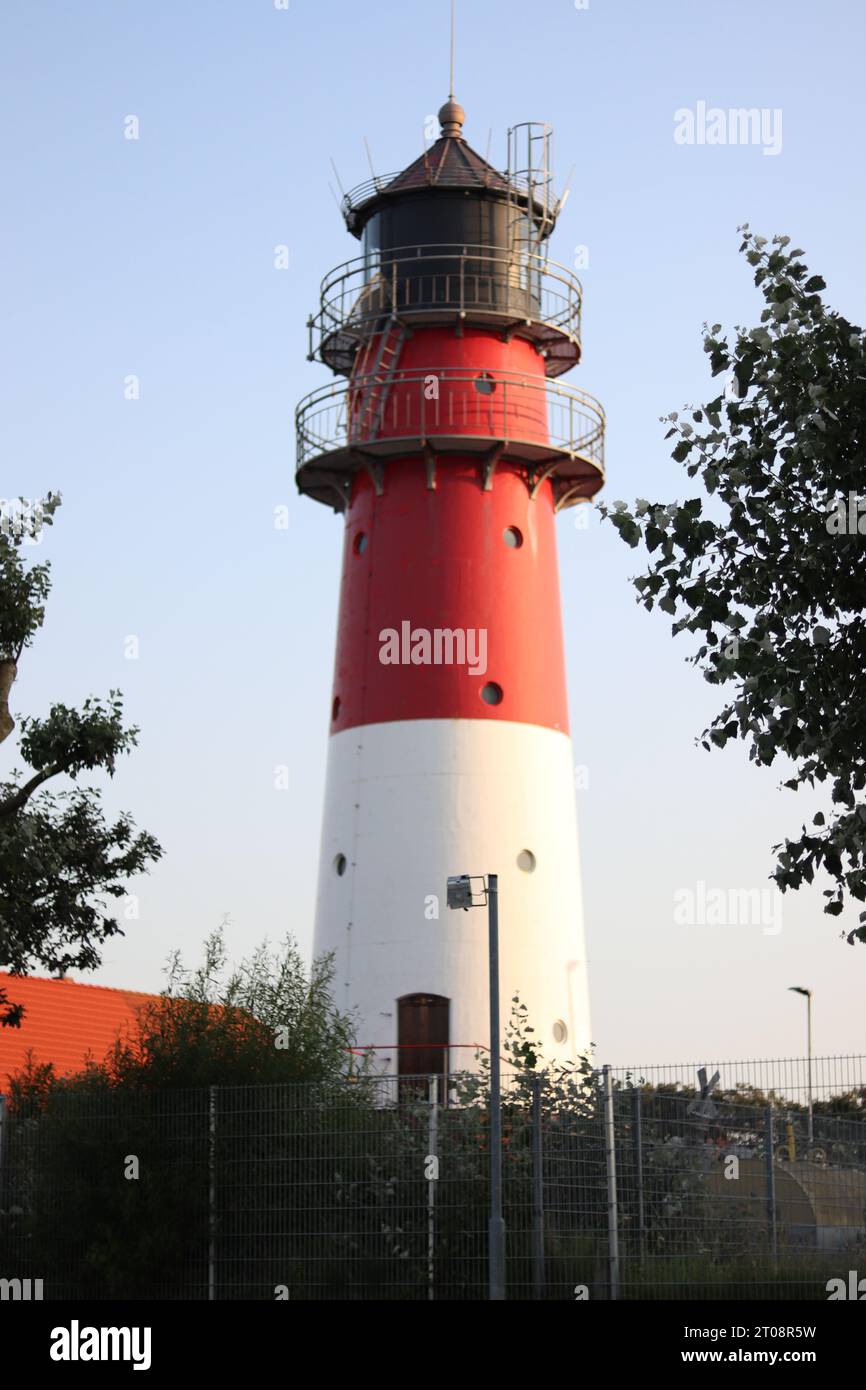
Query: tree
(267, 1020)
(772, 575)
(230, 1093)
(59, 857)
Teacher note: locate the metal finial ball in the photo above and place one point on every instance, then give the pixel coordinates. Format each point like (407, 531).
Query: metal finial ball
(451, 117)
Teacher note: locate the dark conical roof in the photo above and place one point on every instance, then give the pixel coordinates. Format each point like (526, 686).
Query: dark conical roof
(449, 162)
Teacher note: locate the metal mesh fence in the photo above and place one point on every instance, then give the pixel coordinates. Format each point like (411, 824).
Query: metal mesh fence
(646, 1183)
(782, 1078)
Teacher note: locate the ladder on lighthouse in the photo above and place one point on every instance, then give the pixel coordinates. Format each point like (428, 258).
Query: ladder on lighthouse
(377, 383)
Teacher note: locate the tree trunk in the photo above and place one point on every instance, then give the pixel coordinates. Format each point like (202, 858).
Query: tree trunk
(8, 672)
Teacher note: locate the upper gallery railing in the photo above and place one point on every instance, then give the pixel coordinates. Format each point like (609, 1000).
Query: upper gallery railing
(488, 285)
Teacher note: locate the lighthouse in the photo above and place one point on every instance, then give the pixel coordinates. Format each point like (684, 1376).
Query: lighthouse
(448, 443)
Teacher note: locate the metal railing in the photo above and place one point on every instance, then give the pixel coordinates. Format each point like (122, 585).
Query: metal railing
(519, 185)
(536, 419)
(538, 298)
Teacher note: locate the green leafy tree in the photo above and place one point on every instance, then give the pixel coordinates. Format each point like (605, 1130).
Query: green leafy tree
(768, 566)
(269, 1019)
(61, 861)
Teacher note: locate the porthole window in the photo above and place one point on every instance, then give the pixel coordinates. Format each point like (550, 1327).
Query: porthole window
(526, 861)
(484, 384)
(335, 708)
(512, 537)
(560, 1032)
(360, 543)
(491, 693)
(340, 865)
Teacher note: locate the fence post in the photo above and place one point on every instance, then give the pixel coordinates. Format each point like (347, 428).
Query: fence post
(638, 1168)
(610, 1164)
(432, 1141)
(771, 1181)
(537, 1191)
(211, 1249)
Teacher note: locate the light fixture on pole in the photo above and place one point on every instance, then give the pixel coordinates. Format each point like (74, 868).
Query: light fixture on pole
(460, 894)
(800, 989)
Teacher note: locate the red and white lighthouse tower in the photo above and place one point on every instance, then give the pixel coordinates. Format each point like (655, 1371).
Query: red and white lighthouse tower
(449, 444)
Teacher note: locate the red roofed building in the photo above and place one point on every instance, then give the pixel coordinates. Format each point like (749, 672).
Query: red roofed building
(63, 1022)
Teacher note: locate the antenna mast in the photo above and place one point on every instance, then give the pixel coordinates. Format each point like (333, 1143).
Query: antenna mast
(453, 27)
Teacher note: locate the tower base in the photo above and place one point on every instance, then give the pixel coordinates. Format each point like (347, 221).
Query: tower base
(411, 802)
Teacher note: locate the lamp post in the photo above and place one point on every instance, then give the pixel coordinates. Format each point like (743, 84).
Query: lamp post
(800, 989)
(460, 895)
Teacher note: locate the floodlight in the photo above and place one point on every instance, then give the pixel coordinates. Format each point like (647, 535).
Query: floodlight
(460, 892)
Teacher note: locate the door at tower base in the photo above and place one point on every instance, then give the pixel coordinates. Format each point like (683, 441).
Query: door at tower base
(422, 1044)
(422, 1034)
(409, 803)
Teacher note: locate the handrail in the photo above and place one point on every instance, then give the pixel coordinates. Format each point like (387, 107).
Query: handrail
(362, 193)
(538, 413)
(540, 297)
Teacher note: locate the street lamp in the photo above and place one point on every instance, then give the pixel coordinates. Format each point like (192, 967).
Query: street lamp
(460, 894)
(799, 989)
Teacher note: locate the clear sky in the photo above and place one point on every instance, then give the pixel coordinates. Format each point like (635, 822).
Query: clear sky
(155, 258)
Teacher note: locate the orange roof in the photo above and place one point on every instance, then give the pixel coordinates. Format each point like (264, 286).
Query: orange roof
(63, 1022)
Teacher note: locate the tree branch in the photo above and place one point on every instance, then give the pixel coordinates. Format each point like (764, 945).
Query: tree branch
(22, 796)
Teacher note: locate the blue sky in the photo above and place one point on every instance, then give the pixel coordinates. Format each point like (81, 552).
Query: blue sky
(155, 258)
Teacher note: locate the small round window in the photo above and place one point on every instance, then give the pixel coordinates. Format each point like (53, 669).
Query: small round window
(491, 693)
(360, 543)
(526, 861)
(560, 1032)
(512, 537)
(340, 865)
(335, 708)
(484, 384)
